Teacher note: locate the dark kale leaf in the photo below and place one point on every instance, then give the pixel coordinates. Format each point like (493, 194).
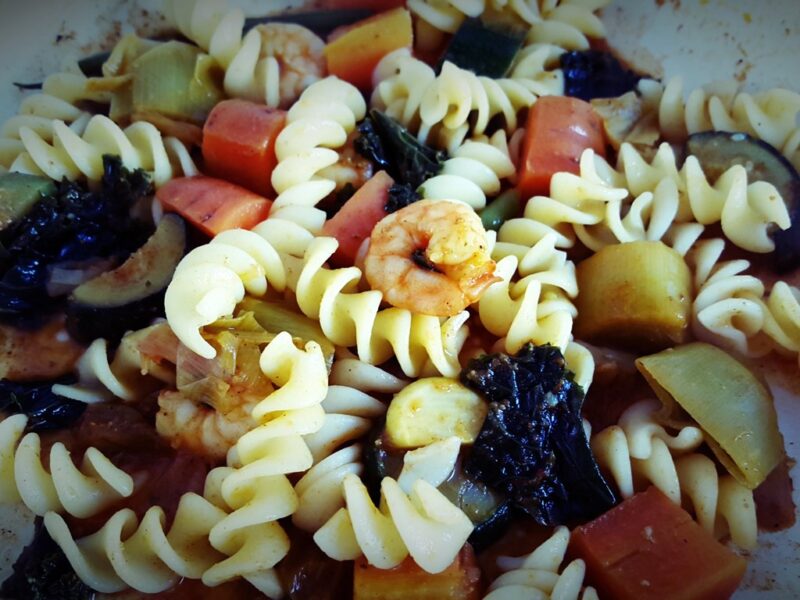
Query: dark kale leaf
(400, 196)
(532, 445)
(42, 572)
(70, 226)
(594, 74)
(392, 148)
(44, 409)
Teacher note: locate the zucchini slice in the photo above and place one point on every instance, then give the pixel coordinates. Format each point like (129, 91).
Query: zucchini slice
(18, 194)
(717, 151)
(485, 48)
(132, 295)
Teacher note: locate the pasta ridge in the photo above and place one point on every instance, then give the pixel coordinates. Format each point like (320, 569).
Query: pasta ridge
(65, 488)
(537, 574)
(639, 452)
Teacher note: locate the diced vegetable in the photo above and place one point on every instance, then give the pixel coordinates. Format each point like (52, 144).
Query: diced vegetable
(400, 196)
(433, 409)
(648, 548)
(595, 74)
(717, 151)
(213, 205)
(275, 317)
(484, 47)
(18, 194)
(306, 572)
(635, 296)
(177, 81)
(532, 446)
(42, 354)
(44, 409)
(625, 120)
(557, 132)
(459, 581)
(353, 55)
(725, 399)
(391, 147)
(239, 143)
(355, 220)
(132, 295)
(499, 210)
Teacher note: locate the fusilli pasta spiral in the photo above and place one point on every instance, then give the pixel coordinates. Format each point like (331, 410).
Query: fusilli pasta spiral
(65, 488)
(640, 452)
(537, 574)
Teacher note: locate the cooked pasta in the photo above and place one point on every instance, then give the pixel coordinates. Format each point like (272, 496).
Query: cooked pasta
(271, 63)
(640, 452)
(539, 574)
(65, 488)
(73, 155)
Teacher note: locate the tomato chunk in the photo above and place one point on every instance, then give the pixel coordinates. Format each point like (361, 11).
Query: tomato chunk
(649, 548)
(356, 219)
(459, 581)
(557, 132)
(213, 205)
(353, 52)
(239, 143)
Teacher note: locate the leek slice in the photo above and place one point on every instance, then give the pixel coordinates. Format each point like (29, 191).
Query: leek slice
(725, 399)
(176, 80)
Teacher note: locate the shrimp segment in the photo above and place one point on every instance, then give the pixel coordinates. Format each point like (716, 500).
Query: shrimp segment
(430, 257)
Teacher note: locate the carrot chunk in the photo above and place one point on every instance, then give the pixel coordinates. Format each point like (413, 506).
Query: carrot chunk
(648, 548)
(213, 205)
(239, 143)
(557, 132)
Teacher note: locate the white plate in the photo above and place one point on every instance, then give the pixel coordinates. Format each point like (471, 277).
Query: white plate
(757, 42)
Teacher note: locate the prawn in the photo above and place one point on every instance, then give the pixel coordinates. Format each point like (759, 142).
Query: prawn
(201, 428)
(300, 57)
(430, 257)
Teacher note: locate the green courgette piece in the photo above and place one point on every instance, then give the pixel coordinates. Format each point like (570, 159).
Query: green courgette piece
(500, 210)
(717, 151)
(18, 194)
(485, 48)
(132, 295)
(321, 22)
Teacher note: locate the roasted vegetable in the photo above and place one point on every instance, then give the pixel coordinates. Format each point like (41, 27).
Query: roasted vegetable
(132, 295)
(649, 548)
(484, 47)
(18, 194)
(700, 383)
(177, 81)
(625, 120)
(717, 151)
(36, 400)
(635, 296)
(306, 572)
(595, 74)
(400, 196)
(392, 148)
(70, 226)
(499, 210)
(459, 581)
(532, 446)
(434, 409)
(43, 572)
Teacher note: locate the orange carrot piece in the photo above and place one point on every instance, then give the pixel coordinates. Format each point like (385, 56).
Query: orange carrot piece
(213, 205)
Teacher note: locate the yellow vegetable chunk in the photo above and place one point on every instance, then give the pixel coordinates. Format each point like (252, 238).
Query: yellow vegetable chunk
(434, 409)
(636, 296)
(701, 383)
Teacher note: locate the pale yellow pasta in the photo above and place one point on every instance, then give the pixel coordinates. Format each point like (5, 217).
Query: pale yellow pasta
(538, 575)
(65, 488)
(639, 452)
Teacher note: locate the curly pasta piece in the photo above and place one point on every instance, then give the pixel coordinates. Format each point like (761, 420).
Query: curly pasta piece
(145, 555)
(65, 488)
(72, 155)
(537, 574)
(640, 452)
(257, 489)
(770, 115)
(782, 317)
(473, 172)
(271, 63)
(317, 123)
(423, 524)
